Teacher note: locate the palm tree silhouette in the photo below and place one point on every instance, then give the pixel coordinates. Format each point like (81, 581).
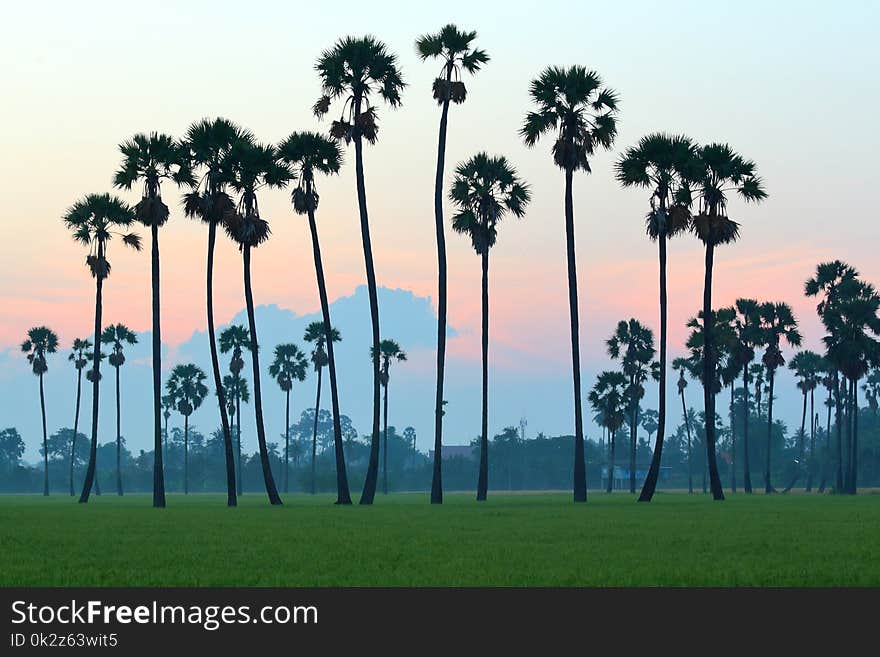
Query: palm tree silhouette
(167, 407)
(186, 386)
(716, 172)
(40, 342)
(153, 158)
(608, 399)
(352, 70)
(237, 391)
(828, 382)
(235, 338)
(388, 350)
(485, 189)
(682, 365)
(806, 366)
(323, 337)
(572, 104)
(453, 47)
(288, 366)
(118, 335)
(78, 356)
(660, 163)
(94, 221)
(306, 153)
(747, 325)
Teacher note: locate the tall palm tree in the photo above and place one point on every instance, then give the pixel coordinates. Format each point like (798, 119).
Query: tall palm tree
(716, 172)
(659, 162)
(572, 105)
(187, 388)
(40, 342)
(608, 399)
(79, 357)
(289, 365)
(682, 365)
(151, 159)
(484, 191)
(253, 167)
(388, 350)
(453, 48)
(236, 338)
(353, 70)
(118, 335)
(778, 324)
(94, 221)
(209, 143)
(237, 391)
(747, 325)
(806, 366)
(318, 334)
(306, 153)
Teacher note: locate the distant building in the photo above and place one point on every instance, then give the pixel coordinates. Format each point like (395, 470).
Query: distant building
(455, 451)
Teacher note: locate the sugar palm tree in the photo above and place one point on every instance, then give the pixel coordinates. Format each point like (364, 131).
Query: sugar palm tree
(236, 338)
(167, 407)
(289, 365)
(716, 172)
(747, 325)
(682, 365)
(78, 356)
(94, 221)
(187, 388)
(306, 153)
(389, 350)
(118, 335)
(756, 374)
(209, 143)
(573, 106)
(608, 399)
(318, 334)
(806, 366)
(778, 324)
(453, 48)
(253, 167)
(354, 70)
(660, 162)
(40, 342)
(828, 382)
(151, 159)
(484, 191)
(237, 391)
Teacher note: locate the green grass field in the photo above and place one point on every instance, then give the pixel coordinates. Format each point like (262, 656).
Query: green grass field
(512, 540)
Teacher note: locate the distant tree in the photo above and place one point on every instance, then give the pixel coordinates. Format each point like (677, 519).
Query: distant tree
(807, 367)
(409, 435)
(78, 356)
(11, 448)
(118, 336)
(40, 342)
(608, 399)
(237, 391)
(749, 336)
(186, 386)
(388, 350)
(317, 334)
(288, 366)
(236, 338)
(682, 365)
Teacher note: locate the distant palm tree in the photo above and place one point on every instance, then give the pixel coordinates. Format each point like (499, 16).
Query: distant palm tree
(186, 386)
(806, 366)
(153, 158)
(167, 407)
(79, 357)
(253, 167)
(118, 335)
(235, 338)
(388, 350)
(352, 70)
(237, 391)
(485, 189)
(828, 382)
(572, 105)
(756, 373)
(682, 365)
(747, 325)
(94, 221)
(288, 366)
(306, 153)
(317, 334)
(608, 399)
(453, 47)
(40, 342)
(716, 172)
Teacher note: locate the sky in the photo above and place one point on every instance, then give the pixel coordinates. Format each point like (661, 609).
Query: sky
(791, 85)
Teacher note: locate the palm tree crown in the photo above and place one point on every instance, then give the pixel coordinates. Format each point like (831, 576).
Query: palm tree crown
(289, 365)
(388, 350)
(40, 341)
(453, 47)
(235, 338)
(305, 153)
(118, 335)
(316, 333)
(186, 387)
(94, 220)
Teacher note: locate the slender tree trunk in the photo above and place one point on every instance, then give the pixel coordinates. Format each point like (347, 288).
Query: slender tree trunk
(847, 469)
(45, 440)
(287, 443)
(768, 486)
(315, 431)
(854, 459)
(747, 471)
(732, 441)
(611, 442)
(838, 412)
(385, 436)
(96, 366)
(709, 377)
(238, 433)
(801, 436)
(271, 490)
(158, 469)
(633, 435)
(118, 439)
(826, 461)
(814, 420)
(75, 427)
(483, 478)
(186, 454)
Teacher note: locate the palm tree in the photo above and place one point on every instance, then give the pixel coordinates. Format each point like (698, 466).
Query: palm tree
(253, 167)
(237, 391)
(756, 373)
(777, 324)
(716, 172)
(747, 325)
(388, 350)
(235, 338)
(659, 163)
(186, 386)
(608, 399)
(79, 357)
(118, 335)
(323, 337)
(94, 221)
(806, 366)
(682, 365)
(453, 48)
(40, 342)
(209, 143)
(153, 158)
(485, 189)
(573, 105)
(352, 70)
(828, 381)
(167, 407)
(288, 366)
(306, 153)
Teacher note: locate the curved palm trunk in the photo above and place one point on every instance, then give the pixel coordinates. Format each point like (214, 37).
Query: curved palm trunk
(838, 417)
(158, 469)
(186, 454)
(768, 486)
(45, 440)
(709, 377)
(633, 436)
(811, 464)
(826, 464)
(238, 435)
(797, 473)
(75, 427)
(385, 436)
(118, 440)
(231, 497)
(287, 444)
(747, 472)
(732, 443)
(854, 458)
(96, 365)
(271, 490)
(483, 477)
(687, 426)
(343, 495)
(315, 431)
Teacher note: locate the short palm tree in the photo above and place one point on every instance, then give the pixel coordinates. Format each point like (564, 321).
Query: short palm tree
(237, 391)
(118, 335)
(167, 407)
(573, 106)
(289, 365)
(453, 48)
(318, 334)
(484, 191)
(608, 399)
(807, 367)
(79, 357)
(186, 386)
(236, 338)
(747, 325)
(151, 159)
(94, 221)
(40, 342)
(389, 350)
(682, 365)
(353, 70)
